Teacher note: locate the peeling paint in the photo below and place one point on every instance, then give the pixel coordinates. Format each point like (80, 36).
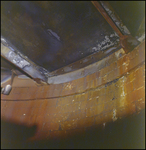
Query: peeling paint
(120, 52)
(141, 38)
(36, 72)
(123, 93)
(132, 42)
(17, 60)
(106, 43)
(115, 18)
(114, 115)
(90, 69)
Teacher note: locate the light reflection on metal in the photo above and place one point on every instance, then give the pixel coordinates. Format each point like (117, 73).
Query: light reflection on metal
(17, 60)
(6, 90)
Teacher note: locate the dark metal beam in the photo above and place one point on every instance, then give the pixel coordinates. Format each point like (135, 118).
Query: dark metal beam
(107, 18)
(24, 64)
(127, 42)
(116, 19)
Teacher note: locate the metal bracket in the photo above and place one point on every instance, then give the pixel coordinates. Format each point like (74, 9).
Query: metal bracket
(128, 43)
(39, 74)
(7, 89)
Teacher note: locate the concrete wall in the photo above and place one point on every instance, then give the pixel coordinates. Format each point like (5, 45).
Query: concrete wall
(113, 92)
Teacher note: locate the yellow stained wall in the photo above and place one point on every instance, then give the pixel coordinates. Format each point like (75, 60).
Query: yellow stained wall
(61, 110)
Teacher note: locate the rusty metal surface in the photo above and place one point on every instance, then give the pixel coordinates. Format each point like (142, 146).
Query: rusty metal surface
(107, 18)
(115, 17)
(90, 69)
(61, 37)
(128, 42)
(91, 59)
(130, 12)
(22, 63)
(55, 34)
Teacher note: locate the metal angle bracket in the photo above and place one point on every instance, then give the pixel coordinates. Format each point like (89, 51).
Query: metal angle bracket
(7, 89)
(38, 74)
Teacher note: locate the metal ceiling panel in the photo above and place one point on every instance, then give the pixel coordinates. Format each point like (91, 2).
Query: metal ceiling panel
(55, 34)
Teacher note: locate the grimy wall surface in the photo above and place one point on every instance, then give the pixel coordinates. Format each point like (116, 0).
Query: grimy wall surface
(114, 91)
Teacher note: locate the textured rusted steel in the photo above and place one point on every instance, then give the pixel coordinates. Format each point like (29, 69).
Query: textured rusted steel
(107, 18)
(54, 35)
(23, 64)
(127, 41)
(89, 60)
(115, 17)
